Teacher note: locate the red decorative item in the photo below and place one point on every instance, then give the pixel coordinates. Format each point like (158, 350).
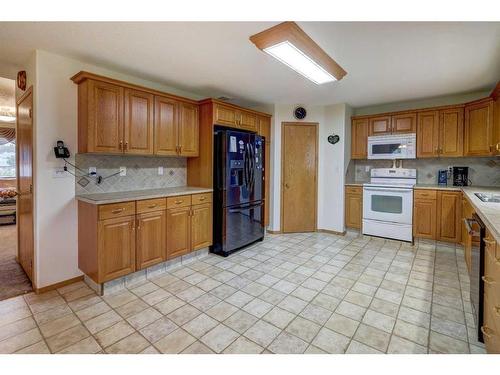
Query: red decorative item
(21, 79)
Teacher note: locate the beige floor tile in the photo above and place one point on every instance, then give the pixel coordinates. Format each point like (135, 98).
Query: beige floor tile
(240, 321)
(219, 338)
(44, 305)
(342, 324)
(67, 338)
(316, 314)
(200, 325)
(415, 317)
(175, 342)
(286, 343)
(112, 334)
(373, 337)
(399, 345)
(103, 321)
(262, 333)
(159, 329)
(86, 346)
(17, 328)
(351, 310)
(72, 287)
(311, 349)
(150, 350)
(132, 308)
(39, 348)
(155, 297)
(448, 313)
(205, 302)
(326, 301)
(411, 332)
(449, 328)
(445, 344)
(14, 315)
(197, 348)
(378, 320)
(78, 293)
(59, 325)
(93, 311)
(356, 347)
(168, 305)
(144, 289)
(417, 304)
(330, 342)
(279, 317)
(239, 299)
(242, 345)
(292, 304)
(144, 318)
(84, 302)
(303, 328)
(52, 314)
(184, 314)
(132, 344)
(358, 298)
(20, 341)
(222, 311)
(120, 298)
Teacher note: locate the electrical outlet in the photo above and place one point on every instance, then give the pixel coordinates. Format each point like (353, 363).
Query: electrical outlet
(59, 172)
(92, 171)
(160, 171)
(367, 168)
(123, 171)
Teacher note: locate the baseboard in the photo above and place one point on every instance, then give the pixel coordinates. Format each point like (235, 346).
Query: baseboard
(58, 285)
(331, 232)
(273, 231)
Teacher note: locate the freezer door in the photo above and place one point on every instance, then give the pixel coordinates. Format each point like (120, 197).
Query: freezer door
(243, 225)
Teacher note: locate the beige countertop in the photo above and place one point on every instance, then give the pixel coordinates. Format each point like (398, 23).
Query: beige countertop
(124, 196)
(438, 187)
(489, 212)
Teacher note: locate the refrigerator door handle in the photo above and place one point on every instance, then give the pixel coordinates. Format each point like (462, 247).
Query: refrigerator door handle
(240, 209)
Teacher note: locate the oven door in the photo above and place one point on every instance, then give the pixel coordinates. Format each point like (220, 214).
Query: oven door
(388, 204)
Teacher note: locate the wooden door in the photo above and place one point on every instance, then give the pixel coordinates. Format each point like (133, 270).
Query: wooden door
(353, 207)
(428, 134)
(451, 132)
(165, 126)
(105, 117)
(380, 125)
(248, 121)
(178, 231)
(138, 129)
(151, 238)
(449, 213)
(404, 123)
(478, 135)
(359, 138)
(496, 122)
(265, 131)
(299, 158)
(225, 115)
(24, 172)
(201, 226)
(188, 130)
(116, 247)
(424, 218)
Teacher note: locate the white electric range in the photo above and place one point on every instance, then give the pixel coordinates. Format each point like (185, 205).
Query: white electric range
(388, 203)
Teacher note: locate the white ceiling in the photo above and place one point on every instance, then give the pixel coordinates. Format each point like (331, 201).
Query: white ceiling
(385, 62)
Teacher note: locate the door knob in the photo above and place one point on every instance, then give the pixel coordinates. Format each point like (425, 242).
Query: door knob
(287, 186)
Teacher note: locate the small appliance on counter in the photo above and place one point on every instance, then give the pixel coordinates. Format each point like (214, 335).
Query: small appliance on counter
(442, 177)
(459, 175)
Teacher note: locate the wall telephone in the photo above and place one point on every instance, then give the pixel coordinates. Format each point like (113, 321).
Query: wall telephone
(61, 151)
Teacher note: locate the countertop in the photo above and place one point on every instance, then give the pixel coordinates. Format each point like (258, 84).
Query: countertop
(489, 212)
(124, 196)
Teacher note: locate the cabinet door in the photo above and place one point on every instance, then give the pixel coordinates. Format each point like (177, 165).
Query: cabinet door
(138, 130)
(359, 138)
(165, 126)
(105, 117)
(201, 226)
(225, 115)
(116, 247)
(380, 125)
(451, 132)
(188, 130)
(178, 231)
(404, 123)
(151, 238)
(478, 124)
(248, 121)
(466, 240)
(496, 125)
(265, 131)
(353, 210)
(424, 218)
(428, 134)
(449, 213)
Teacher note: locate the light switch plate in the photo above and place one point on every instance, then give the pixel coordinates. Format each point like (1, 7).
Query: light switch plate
(123, 171)
(59, 172)
(367, 168)
(160, 171)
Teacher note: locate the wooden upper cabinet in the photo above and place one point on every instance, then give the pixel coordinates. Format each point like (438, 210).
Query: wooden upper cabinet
(165, 126)
(248, 121)
(116, 247)
(201, 226)
(449, 214)
(179, 231)
(496, 122)
(380, 125)
(359, 138)
(188, 133)
(151, 238)
(101, 114)
(478, 136)
(451, 132)
(138, 124)
(225, 115)
(428, 134)
(404, 123)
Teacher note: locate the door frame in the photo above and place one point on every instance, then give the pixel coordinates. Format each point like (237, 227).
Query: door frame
(29, 91)
(295, 123)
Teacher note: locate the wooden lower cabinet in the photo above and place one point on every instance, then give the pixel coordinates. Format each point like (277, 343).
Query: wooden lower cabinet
(151, 238)
(201, 226)
(179, 231)
(353, 206)
(424, 218)
(116, 247)
(491, 323)
(467, 212)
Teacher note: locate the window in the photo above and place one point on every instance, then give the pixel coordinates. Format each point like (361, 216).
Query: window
(8, 160)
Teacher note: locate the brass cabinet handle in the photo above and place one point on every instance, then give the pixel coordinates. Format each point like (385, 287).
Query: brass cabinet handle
(485, 329)
(126, 146)
(202, 198)
(152, 206)
(120, 145)
(179, 202)
(180, 149)
(497, 310)
(117, 210)
(488, 280)
(287, 186)
(489, 242)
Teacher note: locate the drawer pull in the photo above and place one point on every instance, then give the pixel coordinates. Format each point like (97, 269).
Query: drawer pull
(117, 210)
(202, 198)
(497, 310)
(152, 206)
(179, 202)
(484, 330)
(488, 280)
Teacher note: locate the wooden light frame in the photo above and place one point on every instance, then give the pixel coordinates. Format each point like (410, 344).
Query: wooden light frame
(292, 33)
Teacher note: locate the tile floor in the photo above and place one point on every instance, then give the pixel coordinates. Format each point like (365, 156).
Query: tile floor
(297, 293)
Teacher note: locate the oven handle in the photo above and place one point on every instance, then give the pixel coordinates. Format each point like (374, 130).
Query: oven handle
(468, 226)
(389, 190)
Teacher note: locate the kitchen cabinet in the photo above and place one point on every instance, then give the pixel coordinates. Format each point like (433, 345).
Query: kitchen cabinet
(428, 134)
(179, 230)
(478, 135)
(380, 125)
(265, 131)
(403, 123)
(359, 138)
(236, 118)
(116, 117)
(248, 121)
(201, 226)
(424, 214)
(151, 232)
(449, 214)
(138, 123)
(496, 119)
(491, 278)
(353, 206)
(467, 212)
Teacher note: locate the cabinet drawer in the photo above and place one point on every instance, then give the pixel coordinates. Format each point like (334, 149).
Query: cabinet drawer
(425, 194)
(180, 201)
(354, 190)
(201, 198)
(150, 205)
(108, 211)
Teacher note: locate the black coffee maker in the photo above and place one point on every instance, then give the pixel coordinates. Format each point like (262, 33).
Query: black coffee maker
(460, 176)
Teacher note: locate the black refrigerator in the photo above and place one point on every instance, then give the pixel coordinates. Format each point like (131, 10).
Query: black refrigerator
(238, 190)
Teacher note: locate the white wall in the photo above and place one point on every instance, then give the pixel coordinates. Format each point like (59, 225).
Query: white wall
(331, 162)
(56, 236)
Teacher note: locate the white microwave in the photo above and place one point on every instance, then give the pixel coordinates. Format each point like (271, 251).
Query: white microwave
(395, 146)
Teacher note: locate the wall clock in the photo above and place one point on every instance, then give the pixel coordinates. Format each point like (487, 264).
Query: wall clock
(299, 113)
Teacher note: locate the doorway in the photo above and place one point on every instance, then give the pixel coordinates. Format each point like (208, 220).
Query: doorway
(14, 280)
(299, 176)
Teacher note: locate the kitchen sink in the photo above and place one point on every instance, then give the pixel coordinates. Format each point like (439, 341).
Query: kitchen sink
(489, 197)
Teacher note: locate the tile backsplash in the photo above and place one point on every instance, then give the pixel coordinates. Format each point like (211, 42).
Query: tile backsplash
(482, 171)
(142, 173)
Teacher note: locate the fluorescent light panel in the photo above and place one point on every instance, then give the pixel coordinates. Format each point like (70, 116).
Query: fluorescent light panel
(290, 55)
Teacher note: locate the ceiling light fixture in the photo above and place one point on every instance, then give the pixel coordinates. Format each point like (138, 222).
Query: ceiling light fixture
(288, 43)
